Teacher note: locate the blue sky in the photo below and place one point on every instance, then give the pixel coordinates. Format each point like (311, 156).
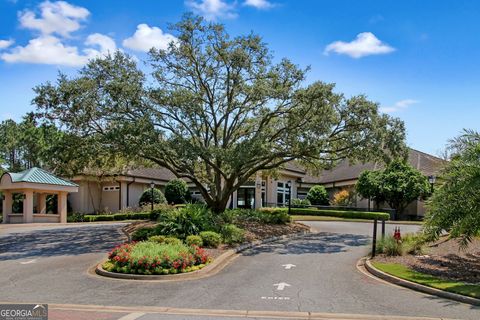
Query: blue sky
(417, 59)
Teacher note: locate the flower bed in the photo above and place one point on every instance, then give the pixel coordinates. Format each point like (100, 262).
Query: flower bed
(156, 258)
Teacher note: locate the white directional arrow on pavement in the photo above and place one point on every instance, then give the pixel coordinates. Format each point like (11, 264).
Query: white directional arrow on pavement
(288, 266)
(28, 262)
(280, 286)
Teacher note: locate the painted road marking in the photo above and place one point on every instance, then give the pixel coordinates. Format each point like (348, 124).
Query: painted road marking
(132, 316)
(288, 266)
(280, 286)
(28, 262)
(275, 298)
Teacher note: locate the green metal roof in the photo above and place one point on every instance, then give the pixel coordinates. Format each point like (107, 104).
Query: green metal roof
(37, 175)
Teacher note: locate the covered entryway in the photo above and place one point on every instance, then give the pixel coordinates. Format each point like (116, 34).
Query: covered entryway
(34, 185)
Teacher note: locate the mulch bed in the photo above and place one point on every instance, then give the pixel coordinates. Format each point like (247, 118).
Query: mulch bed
(445, 259)
(253, 231)
(258, 231)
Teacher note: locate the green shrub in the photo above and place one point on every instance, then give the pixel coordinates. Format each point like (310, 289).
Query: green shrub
(177, 192)
(157, 239)
(173, 241)
(183, 222)
(318, 195)
(143, 233)
(390, 247)
(120, 216)
(193, 240)
(146, 197)
(337, 213)
(300, 203)
(275, 215)
(413, 243)
(211, 239)
(76, 217)
(232, 234)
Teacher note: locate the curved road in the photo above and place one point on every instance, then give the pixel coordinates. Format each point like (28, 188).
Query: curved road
(317, 273)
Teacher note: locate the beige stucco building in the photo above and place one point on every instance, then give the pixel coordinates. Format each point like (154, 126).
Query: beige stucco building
(114, 193)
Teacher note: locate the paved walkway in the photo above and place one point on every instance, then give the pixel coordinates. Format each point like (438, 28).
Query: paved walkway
(314, 274)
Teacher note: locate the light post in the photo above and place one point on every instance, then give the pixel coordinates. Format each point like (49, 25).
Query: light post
(289, 186)
(432, 180)
(152, 186)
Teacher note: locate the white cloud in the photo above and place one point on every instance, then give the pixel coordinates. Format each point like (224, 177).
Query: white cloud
(5, 43)
(146, 37)
(58, 17)
(365, 44)
(259, 4)
(399, 105)
(213, 9)
(50, 50)
(105, 43)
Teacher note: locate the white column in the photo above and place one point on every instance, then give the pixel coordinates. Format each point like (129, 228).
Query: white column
(123, 195)
(62, 206)
(258, 191)
(28, 207)
(42, 203)
(7, 205)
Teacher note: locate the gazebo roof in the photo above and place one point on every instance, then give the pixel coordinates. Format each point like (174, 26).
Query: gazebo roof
(37, 175)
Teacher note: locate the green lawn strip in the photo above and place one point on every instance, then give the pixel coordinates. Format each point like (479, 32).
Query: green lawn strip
(403, 272)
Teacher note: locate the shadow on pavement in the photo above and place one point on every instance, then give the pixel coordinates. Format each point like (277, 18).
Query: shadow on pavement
(59, 242)
(323, 242)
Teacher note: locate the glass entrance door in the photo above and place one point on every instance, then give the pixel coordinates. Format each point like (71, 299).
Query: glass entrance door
(246, 198)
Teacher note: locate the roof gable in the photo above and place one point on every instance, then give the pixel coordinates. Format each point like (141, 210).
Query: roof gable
(37, 175)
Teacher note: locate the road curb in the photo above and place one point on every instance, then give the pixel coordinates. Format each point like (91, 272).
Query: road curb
(231, 313)
(418, 287)
(209, 270)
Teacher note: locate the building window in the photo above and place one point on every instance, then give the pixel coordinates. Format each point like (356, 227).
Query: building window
(282, 193)
(111, 188)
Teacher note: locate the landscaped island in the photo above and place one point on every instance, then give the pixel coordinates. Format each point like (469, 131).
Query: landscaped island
(186, 238)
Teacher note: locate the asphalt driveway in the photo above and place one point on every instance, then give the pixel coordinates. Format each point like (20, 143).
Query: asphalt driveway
(316, 273)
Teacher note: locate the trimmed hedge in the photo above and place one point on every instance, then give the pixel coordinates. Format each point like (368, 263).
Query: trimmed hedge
(118, 216)
(334, 213)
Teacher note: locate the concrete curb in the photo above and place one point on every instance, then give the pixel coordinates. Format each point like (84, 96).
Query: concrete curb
(419, 287)
(209, 270)
(231, 313)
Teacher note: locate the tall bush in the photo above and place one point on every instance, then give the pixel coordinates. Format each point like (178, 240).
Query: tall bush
(176, 192)
(318, 195)
(146, 198)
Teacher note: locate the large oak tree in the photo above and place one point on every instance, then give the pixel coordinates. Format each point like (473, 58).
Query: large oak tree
(216, 110)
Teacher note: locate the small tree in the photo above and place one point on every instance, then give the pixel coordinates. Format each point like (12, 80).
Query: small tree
(146, 197)
(342, 198)
(176, 191)
(318, 195)
(369, 186)
(455, 205)
(398, 185)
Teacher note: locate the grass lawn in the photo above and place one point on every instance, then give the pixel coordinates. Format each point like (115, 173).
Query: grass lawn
(326, 218)
(403, 272)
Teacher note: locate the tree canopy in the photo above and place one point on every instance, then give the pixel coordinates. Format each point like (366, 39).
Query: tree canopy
(398, 185)
(216, 110)
(455, 205)
(27, 143)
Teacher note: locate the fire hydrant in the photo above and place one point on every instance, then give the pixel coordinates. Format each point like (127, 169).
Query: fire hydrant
(397, 235)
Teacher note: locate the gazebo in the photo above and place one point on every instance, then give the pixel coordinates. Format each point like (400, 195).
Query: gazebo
(35, 184)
